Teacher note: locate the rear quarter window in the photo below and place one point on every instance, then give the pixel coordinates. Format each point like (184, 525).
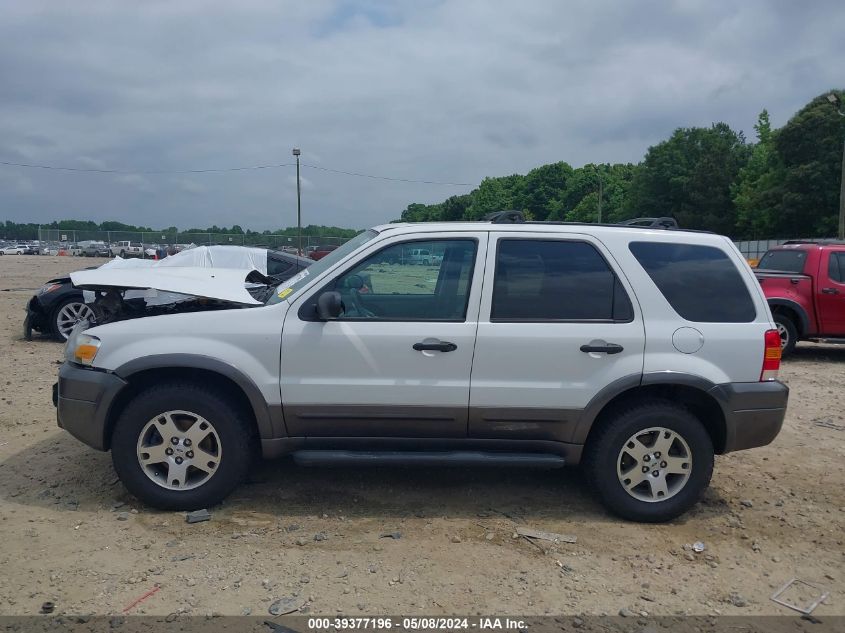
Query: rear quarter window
(701, 283)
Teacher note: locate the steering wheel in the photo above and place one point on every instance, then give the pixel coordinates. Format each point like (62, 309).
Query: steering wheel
(360, 310)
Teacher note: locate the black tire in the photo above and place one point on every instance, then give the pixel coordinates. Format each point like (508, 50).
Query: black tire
(55, 332)
(788, 334)
(238, 441)
(602, 455)
(123, 254)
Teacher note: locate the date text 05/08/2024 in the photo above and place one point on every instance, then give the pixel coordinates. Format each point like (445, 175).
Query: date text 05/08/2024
(416, 623)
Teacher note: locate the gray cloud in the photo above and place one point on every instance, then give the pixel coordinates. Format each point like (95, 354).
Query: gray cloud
(449, 91)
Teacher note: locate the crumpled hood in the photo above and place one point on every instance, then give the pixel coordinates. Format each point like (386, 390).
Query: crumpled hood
(224, 284)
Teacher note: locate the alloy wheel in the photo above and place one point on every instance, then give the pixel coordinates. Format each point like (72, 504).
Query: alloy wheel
(784, 335)
(70, 315)
(654, 464)
(179, 450)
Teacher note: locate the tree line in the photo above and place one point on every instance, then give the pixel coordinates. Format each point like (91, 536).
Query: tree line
(783, 184)
(29, 230)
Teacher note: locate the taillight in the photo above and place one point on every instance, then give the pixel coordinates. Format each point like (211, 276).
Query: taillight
(771, 356)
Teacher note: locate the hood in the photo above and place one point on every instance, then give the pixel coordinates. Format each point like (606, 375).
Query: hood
(211, 283)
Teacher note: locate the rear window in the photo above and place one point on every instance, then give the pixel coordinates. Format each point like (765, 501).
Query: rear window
(790, 261)
(701, 283)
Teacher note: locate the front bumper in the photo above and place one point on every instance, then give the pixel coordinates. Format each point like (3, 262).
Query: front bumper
(754, 412)
(83, 397)
(36, 318)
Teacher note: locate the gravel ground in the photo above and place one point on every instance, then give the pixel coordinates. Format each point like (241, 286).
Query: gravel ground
(71, 534)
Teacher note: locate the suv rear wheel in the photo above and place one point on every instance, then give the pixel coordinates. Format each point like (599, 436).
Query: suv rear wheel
(650, 462)
(182, 447)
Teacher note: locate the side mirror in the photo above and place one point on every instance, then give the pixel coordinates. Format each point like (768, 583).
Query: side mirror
(329, 305)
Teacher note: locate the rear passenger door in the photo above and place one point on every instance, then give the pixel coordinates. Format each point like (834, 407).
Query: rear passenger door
(557, 325)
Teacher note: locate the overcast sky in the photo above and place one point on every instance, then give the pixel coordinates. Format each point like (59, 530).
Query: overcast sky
(429, 90)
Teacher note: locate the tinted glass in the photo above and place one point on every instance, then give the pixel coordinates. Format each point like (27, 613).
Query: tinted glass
(276, 265)
(701, 283)
(546, 280)
(836, 267)
(287, 288)
(412, 281)
(791, 261)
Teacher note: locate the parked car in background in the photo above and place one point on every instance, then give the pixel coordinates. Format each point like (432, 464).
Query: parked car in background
(321, 251)
(804, 284)
(637, 353)
(95, 249)
(74, 250)
(422, 257)
(58, 305)
(127, 249)
(15, 249)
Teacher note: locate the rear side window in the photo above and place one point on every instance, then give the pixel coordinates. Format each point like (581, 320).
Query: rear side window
(790, 261)
(555, 280)
(701, 283)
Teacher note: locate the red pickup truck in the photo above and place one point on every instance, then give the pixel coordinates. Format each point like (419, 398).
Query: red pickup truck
(804, 283)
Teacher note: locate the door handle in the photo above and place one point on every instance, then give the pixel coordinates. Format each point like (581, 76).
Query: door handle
(435, 346)
(607, 348)
(830, 291)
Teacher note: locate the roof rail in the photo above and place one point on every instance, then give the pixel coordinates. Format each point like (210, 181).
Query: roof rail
(820, 242)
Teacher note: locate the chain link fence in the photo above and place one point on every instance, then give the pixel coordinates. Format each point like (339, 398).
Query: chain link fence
(63, 239)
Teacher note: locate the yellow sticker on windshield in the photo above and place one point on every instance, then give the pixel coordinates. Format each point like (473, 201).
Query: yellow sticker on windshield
(285, 292)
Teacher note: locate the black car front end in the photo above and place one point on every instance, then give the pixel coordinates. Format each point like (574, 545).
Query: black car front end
(42, 306)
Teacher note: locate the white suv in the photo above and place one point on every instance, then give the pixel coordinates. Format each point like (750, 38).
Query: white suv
(637, 352)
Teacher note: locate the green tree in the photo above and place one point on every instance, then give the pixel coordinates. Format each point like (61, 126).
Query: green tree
(809, 148)
(758, 190)
(689, 176)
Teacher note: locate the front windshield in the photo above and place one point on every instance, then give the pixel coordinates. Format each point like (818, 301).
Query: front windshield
(290, 286)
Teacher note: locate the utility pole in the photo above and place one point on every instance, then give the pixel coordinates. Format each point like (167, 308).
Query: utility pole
(600, 197)
(842, 196)
(837, 103)
(297, 152)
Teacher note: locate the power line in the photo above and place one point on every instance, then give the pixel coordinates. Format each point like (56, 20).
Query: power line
(141, 171)
(228, 169)
(422, 182)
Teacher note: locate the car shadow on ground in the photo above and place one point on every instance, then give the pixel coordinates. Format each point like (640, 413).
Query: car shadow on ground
(61, 474)
(817, 352)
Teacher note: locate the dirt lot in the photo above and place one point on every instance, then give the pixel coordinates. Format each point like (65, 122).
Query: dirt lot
(71, 533)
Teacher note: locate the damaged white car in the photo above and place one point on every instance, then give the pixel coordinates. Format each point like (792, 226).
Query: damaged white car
(199, 279)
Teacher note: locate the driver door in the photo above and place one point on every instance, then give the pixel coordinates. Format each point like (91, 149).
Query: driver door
(397, 361)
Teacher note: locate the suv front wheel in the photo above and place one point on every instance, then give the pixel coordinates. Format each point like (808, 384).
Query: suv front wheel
(650, 462)
(182, 446)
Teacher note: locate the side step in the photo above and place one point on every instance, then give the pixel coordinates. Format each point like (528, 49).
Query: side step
(426, 458)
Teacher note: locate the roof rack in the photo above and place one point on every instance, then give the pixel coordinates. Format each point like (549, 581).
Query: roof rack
(505, 217)
(517, 217)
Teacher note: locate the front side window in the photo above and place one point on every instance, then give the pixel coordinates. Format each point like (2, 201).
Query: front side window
(701, 283)
(411, 281)
(555, 280)
(836, 267)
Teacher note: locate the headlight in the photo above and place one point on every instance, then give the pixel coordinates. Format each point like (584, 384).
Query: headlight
(82, 348)
(48, 288)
